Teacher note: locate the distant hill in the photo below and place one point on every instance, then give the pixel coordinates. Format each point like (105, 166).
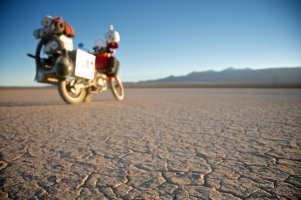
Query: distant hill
(286, 77)
(231, 75)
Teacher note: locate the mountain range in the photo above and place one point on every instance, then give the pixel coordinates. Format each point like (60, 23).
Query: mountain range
(288, 76)
(239, 75)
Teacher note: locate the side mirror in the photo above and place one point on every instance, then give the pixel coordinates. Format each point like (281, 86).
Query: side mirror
(81, 45)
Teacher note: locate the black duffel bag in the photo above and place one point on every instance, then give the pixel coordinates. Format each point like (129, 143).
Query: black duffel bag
(113, 66)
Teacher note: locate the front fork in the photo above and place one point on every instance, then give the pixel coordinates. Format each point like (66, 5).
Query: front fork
(111, 79)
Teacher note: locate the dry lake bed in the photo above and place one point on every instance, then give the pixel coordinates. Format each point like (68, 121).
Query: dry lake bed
(156, 144)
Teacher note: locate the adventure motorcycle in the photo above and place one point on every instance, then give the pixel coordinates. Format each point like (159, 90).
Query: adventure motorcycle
(76, 73)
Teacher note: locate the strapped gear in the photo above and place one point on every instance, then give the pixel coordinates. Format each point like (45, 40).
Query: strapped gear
(46, 21)
(112, 36)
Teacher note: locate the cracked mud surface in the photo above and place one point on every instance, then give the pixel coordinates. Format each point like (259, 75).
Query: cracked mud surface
(156, 144)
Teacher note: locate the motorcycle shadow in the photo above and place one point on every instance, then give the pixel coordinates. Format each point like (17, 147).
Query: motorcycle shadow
(20, 104)
(53, 103)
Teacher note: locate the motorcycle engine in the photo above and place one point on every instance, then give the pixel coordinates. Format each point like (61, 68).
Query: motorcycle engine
(102, 82)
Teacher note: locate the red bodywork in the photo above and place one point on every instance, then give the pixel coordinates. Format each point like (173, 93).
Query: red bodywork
(101, 63)
(102, 60)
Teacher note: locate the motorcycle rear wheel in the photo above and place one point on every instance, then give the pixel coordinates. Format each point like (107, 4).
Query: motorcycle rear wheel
(41, 55)
(69, 91)
(117, 89)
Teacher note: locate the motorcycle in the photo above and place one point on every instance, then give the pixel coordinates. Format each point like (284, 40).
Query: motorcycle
(76, 73)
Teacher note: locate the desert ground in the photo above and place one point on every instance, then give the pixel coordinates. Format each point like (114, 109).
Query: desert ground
(200, 143)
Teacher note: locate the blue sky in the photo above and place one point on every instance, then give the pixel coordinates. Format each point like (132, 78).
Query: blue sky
(159, 38)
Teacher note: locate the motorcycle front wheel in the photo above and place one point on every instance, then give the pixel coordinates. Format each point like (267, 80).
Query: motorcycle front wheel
(70, 92)
(117, 89)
